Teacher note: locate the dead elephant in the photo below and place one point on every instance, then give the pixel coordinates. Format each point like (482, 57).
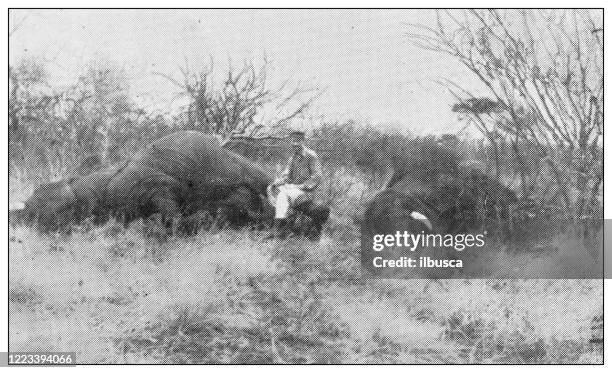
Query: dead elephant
(452, 203)
(175, 177)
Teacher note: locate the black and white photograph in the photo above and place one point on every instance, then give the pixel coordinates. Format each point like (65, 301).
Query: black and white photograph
(305, 186)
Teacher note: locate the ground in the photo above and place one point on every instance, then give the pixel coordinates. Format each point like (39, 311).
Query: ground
(116, 295)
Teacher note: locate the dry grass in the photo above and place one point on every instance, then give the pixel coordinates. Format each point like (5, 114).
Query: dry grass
(113, 296)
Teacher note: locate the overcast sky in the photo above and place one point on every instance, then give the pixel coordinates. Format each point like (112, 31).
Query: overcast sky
(361, 57)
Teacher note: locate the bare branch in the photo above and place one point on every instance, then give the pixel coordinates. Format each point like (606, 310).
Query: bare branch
(549, 86)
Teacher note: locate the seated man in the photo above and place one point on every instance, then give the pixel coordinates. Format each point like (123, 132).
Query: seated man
(295, 188)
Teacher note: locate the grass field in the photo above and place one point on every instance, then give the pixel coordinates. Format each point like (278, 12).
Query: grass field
(115, 296)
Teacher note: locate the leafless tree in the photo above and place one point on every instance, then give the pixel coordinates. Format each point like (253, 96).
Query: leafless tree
(229, 109)
(544, 72)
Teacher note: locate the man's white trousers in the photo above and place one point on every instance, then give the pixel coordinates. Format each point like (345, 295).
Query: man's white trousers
(287, 195)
